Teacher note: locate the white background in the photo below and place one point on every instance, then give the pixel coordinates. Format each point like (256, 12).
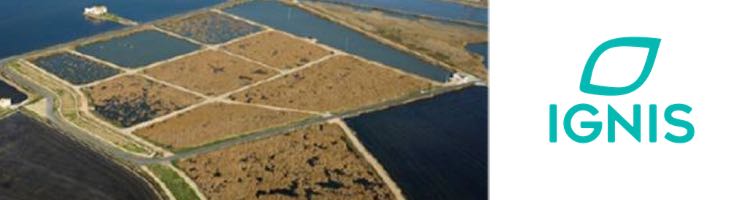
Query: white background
(538, 51)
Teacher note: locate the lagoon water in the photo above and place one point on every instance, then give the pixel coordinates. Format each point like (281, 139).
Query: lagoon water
(434, 148)
(302, 23)
(8, 91)
(481, 49)
(39, 162)
(436, 8)
(29, 25)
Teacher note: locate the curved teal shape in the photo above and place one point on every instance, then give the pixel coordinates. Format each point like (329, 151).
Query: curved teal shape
(644, 42)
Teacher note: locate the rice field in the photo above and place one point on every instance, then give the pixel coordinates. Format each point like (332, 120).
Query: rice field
(210, 27)
(138, 49)
(73, 68)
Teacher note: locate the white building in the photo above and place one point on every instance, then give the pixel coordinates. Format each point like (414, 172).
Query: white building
(95, 10)
(5, 102)
(461, 78)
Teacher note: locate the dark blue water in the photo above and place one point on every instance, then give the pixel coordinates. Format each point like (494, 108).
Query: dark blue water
(436, 8)
(40, 162)
(74, 69)
(481, 49)
(138, 49)
(8, 91)
(302, 23)
(28, 25)
(435, 148)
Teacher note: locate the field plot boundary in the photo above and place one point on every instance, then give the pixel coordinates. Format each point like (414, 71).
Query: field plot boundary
(255, 133)
(214, 99)
(378, 38)
(337, 51)
(223, 98)
(351, 136)
(76, 94)
(218, 47)
(335, 148)
(83, 57)
(162, 186)
(188, 180)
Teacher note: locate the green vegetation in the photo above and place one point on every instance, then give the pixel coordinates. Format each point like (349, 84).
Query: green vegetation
(133, 148)
(174, 182)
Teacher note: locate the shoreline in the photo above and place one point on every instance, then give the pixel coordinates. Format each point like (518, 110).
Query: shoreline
(112, 18)
(121, 155)
(399, 13)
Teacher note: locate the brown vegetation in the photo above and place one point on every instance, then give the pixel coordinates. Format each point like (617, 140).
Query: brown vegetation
(440, 41)
(337, 84)
(214, 122)
(210, 72)
(314, 163)
(131, 99)
(278, 50)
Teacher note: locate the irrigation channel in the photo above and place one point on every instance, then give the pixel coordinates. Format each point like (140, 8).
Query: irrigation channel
(355, 43)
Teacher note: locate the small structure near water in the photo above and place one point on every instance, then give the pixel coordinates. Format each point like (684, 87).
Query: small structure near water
(95, 11)
(5, 103)
(101, 12)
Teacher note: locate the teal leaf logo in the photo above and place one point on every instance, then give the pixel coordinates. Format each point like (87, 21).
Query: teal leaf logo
(643, 42)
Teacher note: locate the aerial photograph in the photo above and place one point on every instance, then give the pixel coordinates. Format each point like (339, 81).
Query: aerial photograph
(244, 99)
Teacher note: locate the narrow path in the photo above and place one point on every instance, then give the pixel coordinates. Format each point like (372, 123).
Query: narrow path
(59, 122)
(78, 133)
(370, 158)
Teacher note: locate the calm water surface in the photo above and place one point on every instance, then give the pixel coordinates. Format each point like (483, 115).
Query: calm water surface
(302, 23)
(436, 8)
(481, 49)
(38, 162)
(29, 25)
(434, 148)
(8, 91)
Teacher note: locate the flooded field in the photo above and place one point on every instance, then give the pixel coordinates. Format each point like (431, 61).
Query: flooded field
(39, 162)
(8, 91)
(74, 69)
(316, 162)
(138, 49)
(214, 122)
(481, 49)
(435, 8)
(434, 148)
(30, 24)
(337, 84)
(302, 23)
(210, 28)
(440, 41)
(129, 100)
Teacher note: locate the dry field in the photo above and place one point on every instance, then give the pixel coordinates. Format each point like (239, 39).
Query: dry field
(209, 27)
(440, 41)
(337, 84)
(278, 50)
(210, 72)
(131, 99)
(213, 122)
(314, 163)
